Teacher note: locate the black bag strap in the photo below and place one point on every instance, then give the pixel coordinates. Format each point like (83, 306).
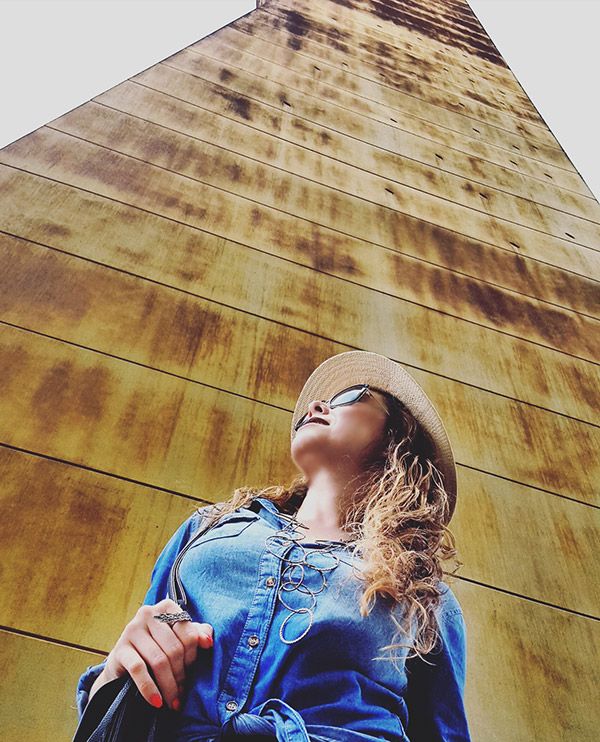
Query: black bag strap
(175, 588)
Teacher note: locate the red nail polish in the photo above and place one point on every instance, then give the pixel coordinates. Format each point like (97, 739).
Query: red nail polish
(210, 641)
(156, 700)
(176, 705)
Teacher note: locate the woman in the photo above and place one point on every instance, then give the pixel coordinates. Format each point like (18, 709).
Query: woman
(317, 611)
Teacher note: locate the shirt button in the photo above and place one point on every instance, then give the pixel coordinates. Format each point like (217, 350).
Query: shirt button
(231, 705)
(253, 640)
(270, 581)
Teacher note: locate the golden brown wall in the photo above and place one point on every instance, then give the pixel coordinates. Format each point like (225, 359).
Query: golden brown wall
(178, 255)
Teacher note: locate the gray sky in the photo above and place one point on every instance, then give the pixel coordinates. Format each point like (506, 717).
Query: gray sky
(552, 47)
(57, 54)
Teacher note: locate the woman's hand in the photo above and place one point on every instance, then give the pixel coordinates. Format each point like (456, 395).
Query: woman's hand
(167, 650)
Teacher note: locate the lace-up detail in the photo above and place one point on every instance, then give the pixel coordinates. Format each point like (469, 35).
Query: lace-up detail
(303, 572)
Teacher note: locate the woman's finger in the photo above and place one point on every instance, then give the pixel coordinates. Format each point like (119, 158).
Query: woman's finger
(169, 641)
(206, 629)
(205, 635)
(188, 634)
(193, 635)
(130, 659)
(158, 663)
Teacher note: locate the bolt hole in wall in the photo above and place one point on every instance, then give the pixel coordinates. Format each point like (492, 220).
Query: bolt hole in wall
(484, 195)
(439, 157)
(477, 130)
(548, 175)
(570, 235)
(514, 244)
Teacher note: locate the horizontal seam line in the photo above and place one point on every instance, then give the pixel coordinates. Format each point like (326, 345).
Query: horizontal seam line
(187, 379)
(340, 278)
(460, 28)
(436, 47)
(528, 598)
(306, 219)
(369, 118)
(106, 473)
(364, 141)
(327, 227)
(418, 98)
(398, 154)
(508, 131)
(335, 189)
(51, 640)
(292, 143)
(429, 141)
(185, 496)
(514, 94)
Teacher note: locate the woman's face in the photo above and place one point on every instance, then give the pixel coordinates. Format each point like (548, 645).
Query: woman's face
(347, 438)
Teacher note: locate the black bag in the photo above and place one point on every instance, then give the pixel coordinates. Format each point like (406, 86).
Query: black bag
(117, 712)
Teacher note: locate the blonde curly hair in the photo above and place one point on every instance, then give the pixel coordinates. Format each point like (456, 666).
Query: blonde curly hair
(397, 523)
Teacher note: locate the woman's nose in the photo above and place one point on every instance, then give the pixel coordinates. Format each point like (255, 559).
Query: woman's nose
(318, 406)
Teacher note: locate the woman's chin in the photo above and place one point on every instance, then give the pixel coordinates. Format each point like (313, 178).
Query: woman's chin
(306, 446)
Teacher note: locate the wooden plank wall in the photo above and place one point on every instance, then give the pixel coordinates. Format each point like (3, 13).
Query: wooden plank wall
(178, 255)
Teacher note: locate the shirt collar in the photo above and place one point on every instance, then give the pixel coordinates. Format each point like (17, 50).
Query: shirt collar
(269, 511)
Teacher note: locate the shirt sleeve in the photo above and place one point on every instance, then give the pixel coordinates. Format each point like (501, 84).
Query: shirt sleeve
(434, 695)
(156, 592)
(84, 684)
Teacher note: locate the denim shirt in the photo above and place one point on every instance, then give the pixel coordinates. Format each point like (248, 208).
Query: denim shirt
(293, 659)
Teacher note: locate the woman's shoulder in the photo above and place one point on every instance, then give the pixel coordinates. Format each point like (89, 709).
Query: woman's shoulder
(194, 521)
(204, 512)
(449, 604)
(218, 513)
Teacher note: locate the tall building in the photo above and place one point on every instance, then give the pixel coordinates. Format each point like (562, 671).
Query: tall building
(182, 251)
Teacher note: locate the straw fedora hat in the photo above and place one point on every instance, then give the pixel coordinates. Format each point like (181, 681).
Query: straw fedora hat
(363, 367)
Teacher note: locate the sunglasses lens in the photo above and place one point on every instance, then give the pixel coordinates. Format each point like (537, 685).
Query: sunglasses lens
(347, 396)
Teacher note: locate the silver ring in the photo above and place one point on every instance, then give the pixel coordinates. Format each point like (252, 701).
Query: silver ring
(172, 618)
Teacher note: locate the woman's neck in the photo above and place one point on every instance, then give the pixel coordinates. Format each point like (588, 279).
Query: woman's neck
(324, 507)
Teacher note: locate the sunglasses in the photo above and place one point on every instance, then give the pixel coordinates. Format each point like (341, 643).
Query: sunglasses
(347, 396)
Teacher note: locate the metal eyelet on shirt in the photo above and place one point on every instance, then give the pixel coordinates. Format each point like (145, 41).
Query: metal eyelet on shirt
(231, 706)
(253, 641)
(294, 572)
